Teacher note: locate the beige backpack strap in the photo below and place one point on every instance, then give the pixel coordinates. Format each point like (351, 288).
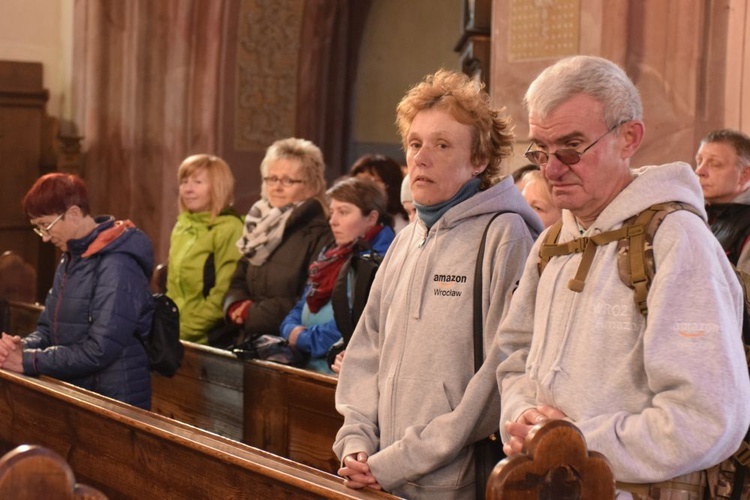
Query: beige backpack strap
(548, 248)
(639, 261)
(586, 245)
(589, 245)
(635, 252)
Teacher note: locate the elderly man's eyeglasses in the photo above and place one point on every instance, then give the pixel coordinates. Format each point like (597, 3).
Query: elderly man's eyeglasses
(568, 156)
(284, 181)
(45, 231)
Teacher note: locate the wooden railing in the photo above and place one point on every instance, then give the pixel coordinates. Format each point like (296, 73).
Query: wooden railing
(284, 410)
(127, 452)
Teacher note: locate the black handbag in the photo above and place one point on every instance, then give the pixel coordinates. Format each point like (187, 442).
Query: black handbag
(489, 451)
(272, 348)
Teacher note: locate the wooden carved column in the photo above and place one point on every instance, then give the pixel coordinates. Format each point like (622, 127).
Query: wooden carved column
(475, 44)
(24, 127)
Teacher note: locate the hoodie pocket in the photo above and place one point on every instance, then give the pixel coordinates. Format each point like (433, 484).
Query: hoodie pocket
(415, 403)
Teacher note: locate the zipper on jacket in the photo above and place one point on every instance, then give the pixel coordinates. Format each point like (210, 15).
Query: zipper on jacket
(55, 323)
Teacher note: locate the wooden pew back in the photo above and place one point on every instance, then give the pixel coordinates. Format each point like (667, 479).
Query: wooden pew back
(291, 412)
(207, 391)
(287, 411)
(34, 472)
(21, 317)
(555, 464)
(284, 410)
(127, 452)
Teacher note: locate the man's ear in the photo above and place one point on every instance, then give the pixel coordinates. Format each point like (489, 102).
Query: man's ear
(632, 134)
(745, 178)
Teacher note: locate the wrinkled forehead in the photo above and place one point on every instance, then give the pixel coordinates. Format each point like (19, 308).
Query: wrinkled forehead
(718, 149)
(285, 165)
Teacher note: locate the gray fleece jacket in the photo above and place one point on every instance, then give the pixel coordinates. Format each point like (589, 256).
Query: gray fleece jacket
(659, 398)
(407, 391)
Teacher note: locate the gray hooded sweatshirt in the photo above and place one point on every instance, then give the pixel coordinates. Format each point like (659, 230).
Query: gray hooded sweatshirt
(659, 398)
(408, 391)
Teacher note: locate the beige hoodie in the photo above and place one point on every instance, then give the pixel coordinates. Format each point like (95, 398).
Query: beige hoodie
(407, 391)
(659, 398)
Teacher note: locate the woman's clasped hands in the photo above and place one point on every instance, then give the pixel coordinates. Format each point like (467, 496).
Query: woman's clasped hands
(356, 472)
(10, 353)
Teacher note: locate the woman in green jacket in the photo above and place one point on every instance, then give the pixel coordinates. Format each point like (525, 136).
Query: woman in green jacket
(202, 250)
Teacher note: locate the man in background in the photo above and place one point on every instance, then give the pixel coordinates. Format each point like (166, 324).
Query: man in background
(723, 168)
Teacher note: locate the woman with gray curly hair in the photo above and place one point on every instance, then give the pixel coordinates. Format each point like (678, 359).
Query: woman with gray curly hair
(413, 403)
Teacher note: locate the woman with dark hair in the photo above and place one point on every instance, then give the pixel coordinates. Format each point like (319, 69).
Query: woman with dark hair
(387, 173)
(359, 224)
(99, 308)
(284, 233)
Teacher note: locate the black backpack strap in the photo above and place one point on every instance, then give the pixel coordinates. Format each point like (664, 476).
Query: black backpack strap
(477, 298)
(364, 267)
(342, 313)
(488, 451)
(209, 275)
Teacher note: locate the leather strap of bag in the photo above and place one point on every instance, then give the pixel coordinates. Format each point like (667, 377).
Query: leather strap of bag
(478, 319)
(479, 458)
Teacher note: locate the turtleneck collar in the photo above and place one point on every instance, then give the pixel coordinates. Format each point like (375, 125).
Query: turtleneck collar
(430, 214)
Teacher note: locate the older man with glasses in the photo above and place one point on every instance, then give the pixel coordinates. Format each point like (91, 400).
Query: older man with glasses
(661, 395)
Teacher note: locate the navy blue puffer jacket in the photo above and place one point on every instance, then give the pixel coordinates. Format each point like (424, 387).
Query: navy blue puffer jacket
(98, 305)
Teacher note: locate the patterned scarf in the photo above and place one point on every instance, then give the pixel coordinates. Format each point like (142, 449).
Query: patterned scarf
(264, 230)
(323, 272)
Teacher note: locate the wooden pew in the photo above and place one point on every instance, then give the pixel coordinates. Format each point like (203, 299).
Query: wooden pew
(555, 463)
(291, 412)
(284, 410)
(21, 317)
(287, 411)
(207, 391)
(33, 472)
(127, 452)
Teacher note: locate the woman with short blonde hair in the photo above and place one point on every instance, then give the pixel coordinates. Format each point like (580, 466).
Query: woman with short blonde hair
(202, 251)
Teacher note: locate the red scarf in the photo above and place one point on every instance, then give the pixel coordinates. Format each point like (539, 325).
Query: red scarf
(323, 272)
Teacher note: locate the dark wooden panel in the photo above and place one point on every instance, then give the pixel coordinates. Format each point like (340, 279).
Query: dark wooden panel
(205, 392)
(291, 412)
(24, 134)
(23, 317)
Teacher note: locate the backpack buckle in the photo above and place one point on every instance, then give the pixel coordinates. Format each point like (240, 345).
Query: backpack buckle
(578, 245)
(636, 230)
(742, 455)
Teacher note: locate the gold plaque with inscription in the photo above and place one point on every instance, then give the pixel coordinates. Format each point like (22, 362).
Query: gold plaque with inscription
(544, 28)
